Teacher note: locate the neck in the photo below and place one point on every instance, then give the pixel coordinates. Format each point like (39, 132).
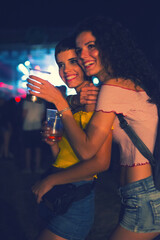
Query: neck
(103, 76)
(89, 107)
(80, 86)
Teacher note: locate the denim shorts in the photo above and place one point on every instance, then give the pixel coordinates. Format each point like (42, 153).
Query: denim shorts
(76, 223)
(140, 206)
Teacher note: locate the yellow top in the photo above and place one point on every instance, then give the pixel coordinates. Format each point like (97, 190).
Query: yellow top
(66, 156)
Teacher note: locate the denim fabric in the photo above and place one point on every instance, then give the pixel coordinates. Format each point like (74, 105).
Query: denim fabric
(76, 223)
(140, 206)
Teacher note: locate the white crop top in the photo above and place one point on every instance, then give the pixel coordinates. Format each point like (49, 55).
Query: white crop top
(140, 114)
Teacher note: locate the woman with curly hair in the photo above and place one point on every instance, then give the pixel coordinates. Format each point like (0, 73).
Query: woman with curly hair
(130, 86)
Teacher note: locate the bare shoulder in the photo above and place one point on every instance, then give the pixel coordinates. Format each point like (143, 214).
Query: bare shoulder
(125, 83)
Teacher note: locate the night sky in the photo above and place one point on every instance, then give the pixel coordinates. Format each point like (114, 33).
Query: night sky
(142, 17)
(59, 13)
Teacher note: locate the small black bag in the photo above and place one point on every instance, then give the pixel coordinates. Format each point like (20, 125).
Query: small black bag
(154, 158)
(60, 198)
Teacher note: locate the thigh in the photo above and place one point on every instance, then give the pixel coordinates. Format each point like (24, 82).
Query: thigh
(48, 235)
(75, 224)
(123, 234)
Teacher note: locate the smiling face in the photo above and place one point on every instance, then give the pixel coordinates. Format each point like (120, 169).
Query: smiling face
(69, 69)
(88, 54)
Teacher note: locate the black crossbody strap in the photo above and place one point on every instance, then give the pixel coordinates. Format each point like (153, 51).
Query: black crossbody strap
(135, 139)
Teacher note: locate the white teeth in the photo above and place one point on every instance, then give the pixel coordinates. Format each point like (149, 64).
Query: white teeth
(88, 64)
(71, 77)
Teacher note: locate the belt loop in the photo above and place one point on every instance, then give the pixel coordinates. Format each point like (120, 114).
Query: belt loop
(144, 185)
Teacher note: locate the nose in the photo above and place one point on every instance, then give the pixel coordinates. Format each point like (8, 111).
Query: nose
(66, 68)
(83, 54)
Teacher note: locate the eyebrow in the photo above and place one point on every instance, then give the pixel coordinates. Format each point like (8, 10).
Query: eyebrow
(70, 59)
(89, 42)
(86, 44)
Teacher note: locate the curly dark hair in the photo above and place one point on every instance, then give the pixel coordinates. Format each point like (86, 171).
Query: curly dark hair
(119, 50)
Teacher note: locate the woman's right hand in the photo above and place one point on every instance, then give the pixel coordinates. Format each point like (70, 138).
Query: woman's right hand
(46, 91)
(42, 187)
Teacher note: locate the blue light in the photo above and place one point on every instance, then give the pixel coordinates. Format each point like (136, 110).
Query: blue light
(95, 81)
(27, 63)
(22, 69)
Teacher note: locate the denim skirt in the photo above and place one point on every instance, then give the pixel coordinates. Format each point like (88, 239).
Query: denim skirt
(76, 223)
(140, 206)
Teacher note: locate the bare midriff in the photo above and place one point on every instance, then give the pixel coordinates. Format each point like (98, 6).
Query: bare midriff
(135, 173)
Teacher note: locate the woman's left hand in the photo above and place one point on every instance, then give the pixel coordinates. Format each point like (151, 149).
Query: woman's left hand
(89, 94)
(45, 90)
(41, 188)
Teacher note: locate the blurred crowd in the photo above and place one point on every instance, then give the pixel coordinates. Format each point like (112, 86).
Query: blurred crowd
(20, 137)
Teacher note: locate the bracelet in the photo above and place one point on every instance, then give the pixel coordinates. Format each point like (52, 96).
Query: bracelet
(64, 110)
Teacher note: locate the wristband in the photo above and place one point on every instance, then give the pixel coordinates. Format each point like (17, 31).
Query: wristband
(64, 110)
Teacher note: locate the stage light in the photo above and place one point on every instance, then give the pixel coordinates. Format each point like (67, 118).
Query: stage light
(37, 67)
(95, 81)
(23, 69)
(24, 77)
(24, 84)
(27, 63)
(17, 99)
(7, 86)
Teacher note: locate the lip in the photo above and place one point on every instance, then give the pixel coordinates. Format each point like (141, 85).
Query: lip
(70, 78)
(88, 64)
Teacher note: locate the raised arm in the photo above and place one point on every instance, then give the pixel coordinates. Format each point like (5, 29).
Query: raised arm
(86, 144)
(83, 170)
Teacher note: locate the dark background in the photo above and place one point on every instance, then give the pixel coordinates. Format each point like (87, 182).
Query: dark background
(40, 24)
(47, 21)
(142, 16)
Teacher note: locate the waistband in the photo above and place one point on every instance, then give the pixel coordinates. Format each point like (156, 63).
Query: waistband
(138, 187)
